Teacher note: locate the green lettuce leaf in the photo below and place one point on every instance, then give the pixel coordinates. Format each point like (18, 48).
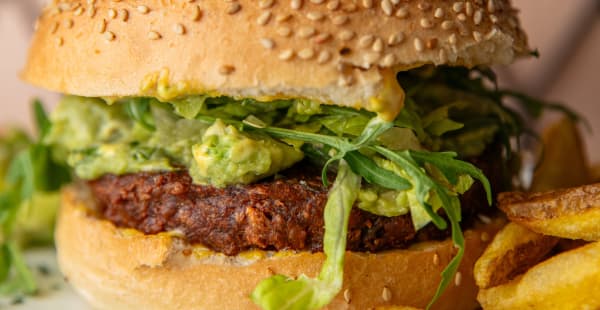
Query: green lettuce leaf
(305, 293)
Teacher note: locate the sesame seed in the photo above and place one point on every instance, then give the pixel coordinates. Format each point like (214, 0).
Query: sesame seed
(370, 58)
(485, 237)
(267, 43)
(226, 69)
(386, 294)
(492, 33)
(387, 7)
(424, 6)
(324, 56)
(395, 38)
(418, 43)
(296, 4)
(346, 35)
(469, 9)
(367, 3)
(484, 218)
(65, 6)
(54, 28)
(153, 35)
(347, 296)
(345, 81)
(109, 36)
(333, 5)
(350, 7)
(388, 60)
(91, 1)
(112, 14)
(317, 1)
(124, 15)
(377, 45)
(458, 6)
(436, 259)
(426, 23)
(60, 41)
(179, 29)
(69, 23)
(91, 12)
(143, 9)
(462, 17)
(395, 2)
(284, 31)
(283, 18)
(452, 39)
(102, 26)
(494, 18)
(439, 13)
(477, 17)
(234, 7)
(306, 53)
(306, 32)
(491, 6)
(402, 12)
(365, 40)
(315, 16)
(443, 56)
(265, 4)
(431, 43)
(286, 55)
(196, 13)
(79, 11)
(322, 38)
(264, 18)
(447, 24)
(340, 20)
(457, 278)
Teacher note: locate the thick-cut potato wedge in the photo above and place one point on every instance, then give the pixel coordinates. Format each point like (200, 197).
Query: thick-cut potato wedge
(570, 280)
(564, 161)
(572, 213)
(514, 250)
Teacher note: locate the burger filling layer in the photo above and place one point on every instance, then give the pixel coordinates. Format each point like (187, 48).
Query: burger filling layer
(217, 168)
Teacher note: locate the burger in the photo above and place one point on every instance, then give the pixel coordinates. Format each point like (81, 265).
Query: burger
(277, 154)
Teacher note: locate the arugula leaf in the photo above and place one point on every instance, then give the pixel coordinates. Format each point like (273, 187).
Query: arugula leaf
(422, 183)
(139, 110)
(41, 118)
(425, 185)
(368, 169)
(452, 168)
(282, 293)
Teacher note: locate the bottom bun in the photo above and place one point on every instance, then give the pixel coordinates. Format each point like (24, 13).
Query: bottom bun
(114, 268)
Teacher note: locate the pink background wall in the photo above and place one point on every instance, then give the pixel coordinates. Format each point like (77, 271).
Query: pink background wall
(566, 32)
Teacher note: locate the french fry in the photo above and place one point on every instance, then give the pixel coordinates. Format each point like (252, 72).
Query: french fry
(514, 250)
(564, 162)
(570, 280)
(572, 213)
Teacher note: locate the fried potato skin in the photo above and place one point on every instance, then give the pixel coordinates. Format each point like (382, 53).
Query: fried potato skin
(513, 250)
(572, 213)
(564, 162)
(570, 280)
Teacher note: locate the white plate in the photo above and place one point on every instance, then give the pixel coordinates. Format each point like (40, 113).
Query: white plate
(55, 293)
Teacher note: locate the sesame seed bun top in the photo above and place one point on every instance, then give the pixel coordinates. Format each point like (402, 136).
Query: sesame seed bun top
(343, 52)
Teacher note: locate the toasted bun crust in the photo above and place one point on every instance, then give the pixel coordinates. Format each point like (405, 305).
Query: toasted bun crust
(341, 52)
(125, 269)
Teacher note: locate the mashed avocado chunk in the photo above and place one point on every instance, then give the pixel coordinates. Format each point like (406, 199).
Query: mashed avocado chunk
(227, 156)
